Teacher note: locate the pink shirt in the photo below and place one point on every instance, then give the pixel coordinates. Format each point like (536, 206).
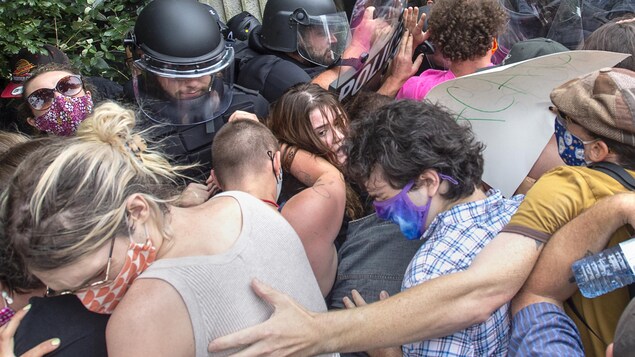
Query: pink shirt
(418, 87)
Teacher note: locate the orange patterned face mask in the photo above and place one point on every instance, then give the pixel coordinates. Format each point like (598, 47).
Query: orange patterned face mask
(103, 300)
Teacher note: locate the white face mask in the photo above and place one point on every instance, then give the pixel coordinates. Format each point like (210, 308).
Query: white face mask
(278, 185)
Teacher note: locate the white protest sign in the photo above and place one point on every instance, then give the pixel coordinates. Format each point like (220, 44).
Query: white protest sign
(508, 108)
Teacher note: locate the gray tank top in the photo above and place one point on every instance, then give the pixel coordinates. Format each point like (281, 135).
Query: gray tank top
(216, 288)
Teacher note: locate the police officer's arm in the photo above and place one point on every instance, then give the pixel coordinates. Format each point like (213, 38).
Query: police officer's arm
(360, 44)
(589, 233)
(435, 308)
(316, 213)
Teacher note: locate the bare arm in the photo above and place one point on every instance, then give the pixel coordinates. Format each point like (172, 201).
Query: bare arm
(441, 306)
(357, 301)
(140, 325)
(589, 233)
(316, 213)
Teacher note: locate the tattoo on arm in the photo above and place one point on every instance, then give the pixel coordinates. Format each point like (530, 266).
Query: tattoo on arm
(538, 244)
(319, 188)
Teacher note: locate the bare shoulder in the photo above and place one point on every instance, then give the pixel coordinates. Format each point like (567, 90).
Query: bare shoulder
(323, 201)
(151, 310)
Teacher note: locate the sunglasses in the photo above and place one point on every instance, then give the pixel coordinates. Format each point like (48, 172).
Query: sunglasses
(68, 86)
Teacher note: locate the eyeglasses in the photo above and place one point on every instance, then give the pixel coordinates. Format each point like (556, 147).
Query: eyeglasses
(68, 86)
(100, 283)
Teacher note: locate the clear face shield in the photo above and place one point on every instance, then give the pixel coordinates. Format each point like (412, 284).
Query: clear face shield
(322, 39)
(184, 95)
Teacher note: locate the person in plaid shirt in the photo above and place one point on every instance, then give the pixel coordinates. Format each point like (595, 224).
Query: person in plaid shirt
(423, 170)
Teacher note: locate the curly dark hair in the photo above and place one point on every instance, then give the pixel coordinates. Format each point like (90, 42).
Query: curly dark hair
(407, 137)
(463, 29)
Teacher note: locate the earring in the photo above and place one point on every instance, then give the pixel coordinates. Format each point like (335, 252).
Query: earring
(7, 298)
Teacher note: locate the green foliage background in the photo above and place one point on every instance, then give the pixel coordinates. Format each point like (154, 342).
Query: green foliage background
(90, 32)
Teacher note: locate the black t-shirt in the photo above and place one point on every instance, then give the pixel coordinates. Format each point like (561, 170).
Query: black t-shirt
(82, 332)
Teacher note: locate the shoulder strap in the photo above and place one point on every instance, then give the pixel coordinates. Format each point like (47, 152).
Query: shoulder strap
(620, 175)
(577, 313)
(615, 171)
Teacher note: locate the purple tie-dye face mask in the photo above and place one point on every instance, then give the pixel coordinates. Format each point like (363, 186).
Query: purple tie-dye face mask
(400, 210)
(65, 115)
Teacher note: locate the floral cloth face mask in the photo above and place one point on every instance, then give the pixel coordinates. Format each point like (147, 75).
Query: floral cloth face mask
(103, 300)
(65, 115)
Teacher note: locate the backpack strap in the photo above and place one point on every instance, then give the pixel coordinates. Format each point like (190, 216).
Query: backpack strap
(577, 314)
(615, 171)
(619, 174)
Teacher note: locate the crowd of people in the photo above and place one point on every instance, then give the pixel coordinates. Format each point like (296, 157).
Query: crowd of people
(226, 201)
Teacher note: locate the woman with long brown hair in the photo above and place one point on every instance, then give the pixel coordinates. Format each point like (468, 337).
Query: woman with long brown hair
(311, 124)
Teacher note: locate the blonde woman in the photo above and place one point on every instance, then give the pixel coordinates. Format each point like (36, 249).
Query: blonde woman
(92, 216)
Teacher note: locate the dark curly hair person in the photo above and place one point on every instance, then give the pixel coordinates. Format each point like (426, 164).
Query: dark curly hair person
(465, 32)
(424, 170)
(403, 139)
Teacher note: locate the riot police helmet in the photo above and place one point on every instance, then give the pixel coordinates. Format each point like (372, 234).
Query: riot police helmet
(315, 29)
(182, 68)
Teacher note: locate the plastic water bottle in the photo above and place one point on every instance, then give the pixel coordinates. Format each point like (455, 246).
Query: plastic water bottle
(606, 271)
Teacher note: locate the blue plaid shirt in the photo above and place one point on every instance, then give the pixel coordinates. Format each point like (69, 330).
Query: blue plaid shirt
(452, 241)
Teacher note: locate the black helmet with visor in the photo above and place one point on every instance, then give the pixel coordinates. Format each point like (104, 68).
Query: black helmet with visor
(315, 29)
(182, 69)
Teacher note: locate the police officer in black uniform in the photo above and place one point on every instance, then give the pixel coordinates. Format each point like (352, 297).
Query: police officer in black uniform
(183, 79)
(298, 40)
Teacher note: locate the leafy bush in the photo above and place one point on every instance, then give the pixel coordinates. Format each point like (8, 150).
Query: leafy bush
(90, 32)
